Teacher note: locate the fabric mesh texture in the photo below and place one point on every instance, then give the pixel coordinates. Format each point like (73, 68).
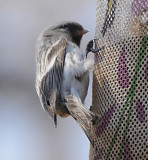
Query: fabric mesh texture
(120, 80)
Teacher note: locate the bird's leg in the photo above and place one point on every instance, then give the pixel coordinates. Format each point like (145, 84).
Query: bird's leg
(90, 48)
(85, 118)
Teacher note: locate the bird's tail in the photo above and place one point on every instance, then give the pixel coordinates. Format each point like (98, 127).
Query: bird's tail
(52, 109)
(85, 118)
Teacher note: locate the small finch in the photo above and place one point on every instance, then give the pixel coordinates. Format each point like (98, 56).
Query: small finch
(62, 75)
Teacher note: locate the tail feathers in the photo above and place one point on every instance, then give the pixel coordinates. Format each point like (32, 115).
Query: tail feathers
(52, 109)
(55, 120)
(86, 130)
(83, 117)
(89, 136)
(53, 114)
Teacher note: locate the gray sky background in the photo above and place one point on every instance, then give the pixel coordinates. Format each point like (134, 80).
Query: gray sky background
(26, 132)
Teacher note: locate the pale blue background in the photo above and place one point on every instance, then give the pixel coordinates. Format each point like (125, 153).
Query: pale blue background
(26, 132)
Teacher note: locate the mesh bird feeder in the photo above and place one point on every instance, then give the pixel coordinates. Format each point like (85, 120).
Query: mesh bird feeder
(120, 80)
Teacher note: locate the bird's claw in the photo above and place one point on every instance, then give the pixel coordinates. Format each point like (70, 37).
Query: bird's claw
(96, 50)
(90, 48)
(96, 120)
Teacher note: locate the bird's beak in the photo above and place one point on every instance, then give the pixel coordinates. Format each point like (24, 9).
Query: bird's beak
(81, 32)
(84, 31)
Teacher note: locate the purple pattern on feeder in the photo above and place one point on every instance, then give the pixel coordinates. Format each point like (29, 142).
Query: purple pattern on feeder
(105, 121)
(123, 77)
(96, 59)
(146, 71)
(140, 111)
(138, 6)
(127, 153)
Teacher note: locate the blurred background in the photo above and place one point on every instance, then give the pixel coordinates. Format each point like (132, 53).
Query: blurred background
(26, 132)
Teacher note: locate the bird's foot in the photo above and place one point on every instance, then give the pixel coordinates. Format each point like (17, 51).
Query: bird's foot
(96, 120)
(90, 48)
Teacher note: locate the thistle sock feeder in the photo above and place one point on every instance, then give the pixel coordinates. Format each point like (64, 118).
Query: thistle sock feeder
(120, 80)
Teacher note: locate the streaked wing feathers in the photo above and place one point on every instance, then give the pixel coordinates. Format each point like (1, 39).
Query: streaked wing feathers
(50, 85)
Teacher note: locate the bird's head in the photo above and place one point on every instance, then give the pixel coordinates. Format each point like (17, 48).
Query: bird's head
(72, 30)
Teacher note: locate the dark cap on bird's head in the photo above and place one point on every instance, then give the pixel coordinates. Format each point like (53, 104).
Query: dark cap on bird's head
(75, 30)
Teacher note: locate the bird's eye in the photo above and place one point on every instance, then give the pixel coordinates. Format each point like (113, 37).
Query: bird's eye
(65, 26)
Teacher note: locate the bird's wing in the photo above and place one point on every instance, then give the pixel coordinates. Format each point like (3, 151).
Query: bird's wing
(50, 84)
